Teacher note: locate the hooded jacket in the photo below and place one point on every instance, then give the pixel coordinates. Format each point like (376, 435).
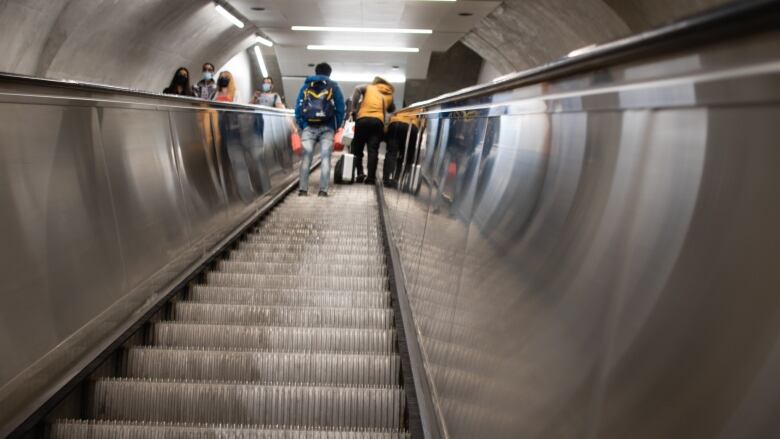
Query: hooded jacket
(407, 117)
(377, 99)
(338, 102)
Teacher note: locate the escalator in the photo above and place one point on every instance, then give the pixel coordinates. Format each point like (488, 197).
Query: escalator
(291, 335)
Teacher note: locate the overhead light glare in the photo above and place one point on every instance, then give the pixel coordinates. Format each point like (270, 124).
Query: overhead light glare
(230, 17)
(363, 48)
(395, 78)
(264, 41)
(261, 62)
(374, 30)
(581, 50)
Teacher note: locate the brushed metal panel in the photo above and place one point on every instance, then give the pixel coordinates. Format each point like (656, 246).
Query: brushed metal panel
(148, 199)
(605, 267)
(199, 175)
(56, 220)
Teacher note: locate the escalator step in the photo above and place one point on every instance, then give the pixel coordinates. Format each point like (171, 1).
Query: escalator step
(278, 297)
(311, 257)
(323, 269)
(336, 340)
(263, 367)
(332, 248)
(379, 318)
(376, 284)
(78, 429)
(242, 403)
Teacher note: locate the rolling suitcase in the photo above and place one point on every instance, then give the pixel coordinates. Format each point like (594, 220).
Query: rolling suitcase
(344, 172)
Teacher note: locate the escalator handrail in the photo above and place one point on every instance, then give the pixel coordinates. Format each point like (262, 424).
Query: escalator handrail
(735, 19)
(83, 86)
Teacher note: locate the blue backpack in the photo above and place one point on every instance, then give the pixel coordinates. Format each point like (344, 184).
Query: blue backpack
(318, 106)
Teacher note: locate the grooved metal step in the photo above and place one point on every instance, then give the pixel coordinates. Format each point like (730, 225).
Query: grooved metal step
(263, 367)
(333, 248)
(78, 429)
(381, 341)
(283, 281)
(311, 257)
(291, 336)
(321, 269)
(278, 297)
(198, 312)
(242, 403)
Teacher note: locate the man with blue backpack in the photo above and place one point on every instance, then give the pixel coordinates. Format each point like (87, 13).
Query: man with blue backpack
(319, 112)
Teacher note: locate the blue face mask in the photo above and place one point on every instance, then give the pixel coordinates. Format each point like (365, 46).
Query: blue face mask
(266, 87)
(208, 76)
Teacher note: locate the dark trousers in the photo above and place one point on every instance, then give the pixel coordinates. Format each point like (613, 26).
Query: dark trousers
(397, 148)
(368, 130)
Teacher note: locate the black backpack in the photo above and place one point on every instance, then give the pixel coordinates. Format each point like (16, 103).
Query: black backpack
(317, 105)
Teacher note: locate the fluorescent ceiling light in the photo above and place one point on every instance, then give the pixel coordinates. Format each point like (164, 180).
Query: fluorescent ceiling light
(264, 41)
(366, 77)
(377, 30)
(261, 62)
(362, 48)
(230, 17)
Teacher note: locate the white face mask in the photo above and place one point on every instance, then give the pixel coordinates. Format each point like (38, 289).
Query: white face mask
(208, 76)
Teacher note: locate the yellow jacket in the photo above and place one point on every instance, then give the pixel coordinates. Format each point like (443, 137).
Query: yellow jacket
(377, 101)
(408, 117)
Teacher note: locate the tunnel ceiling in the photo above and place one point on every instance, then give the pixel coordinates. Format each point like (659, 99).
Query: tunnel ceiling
(138, 44)
(521, 34)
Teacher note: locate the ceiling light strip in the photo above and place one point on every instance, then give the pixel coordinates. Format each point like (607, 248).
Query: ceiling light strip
(264, 41)
(261, 62)
(362, 48)
(375, 30)
(230, 17)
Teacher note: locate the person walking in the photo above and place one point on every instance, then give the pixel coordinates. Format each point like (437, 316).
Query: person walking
(397, 146)
(371, 104)
(266, 96)
(319, 111)
(180, 83)
(206, 88)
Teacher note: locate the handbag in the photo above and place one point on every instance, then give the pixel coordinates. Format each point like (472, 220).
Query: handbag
(295, 141)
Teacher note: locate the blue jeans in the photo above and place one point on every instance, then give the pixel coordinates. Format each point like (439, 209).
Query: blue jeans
(310, 136)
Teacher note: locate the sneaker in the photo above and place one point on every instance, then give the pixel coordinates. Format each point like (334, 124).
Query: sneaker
(322, 194)
(370, 181)
(360, 178)
(303, 193)
(390, 184)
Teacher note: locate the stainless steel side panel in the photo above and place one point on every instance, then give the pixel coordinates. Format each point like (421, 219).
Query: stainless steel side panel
(107, 198)
(596, 256)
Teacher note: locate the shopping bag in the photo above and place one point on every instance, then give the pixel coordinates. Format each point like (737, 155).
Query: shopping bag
(295, 141)
(338, 143)
(348, 133)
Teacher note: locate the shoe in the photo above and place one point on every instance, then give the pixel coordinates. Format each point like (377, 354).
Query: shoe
(303, 193)
(370, 181)
(391, 184)
(322, 194)
(360, 178)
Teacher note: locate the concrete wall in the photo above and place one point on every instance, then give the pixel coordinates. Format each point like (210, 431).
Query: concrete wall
(454, 69)
(521, 34)
(137, 44)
